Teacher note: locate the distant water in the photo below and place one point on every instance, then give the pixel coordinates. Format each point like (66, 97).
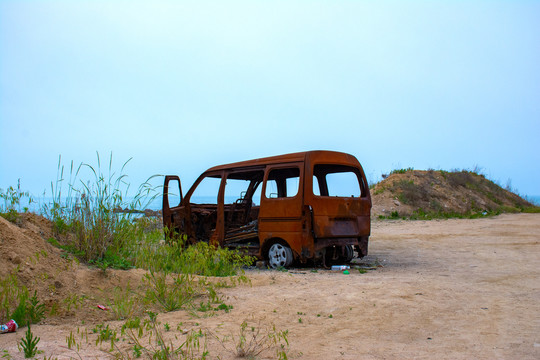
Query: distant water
(155, 204)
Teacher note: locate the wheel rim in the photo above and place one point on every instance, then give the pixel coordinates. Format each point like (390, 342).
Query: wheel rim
(279, 255)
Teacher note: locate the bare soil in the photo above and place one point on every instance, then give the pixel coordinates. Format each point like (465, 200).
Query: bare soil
(440, 289)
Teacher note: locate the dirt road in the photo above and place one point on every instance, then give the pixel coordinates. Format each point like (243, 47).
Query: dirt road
(449, 289)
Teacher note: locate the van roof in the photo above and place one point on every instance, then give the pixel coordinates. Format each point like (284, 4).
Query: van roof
(319, 155)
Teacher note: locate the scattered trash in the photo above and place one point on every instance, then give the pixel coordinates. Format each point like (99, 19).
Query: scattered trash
(102, 307)
(346, 272)
(10, 326)
(340, 267)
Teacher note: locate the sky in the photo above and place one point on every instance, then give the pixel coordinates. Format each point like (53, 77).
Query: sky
(181, 86)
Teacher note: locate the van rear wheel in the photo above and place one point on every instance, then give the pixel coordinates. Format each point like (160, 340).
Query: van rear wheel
(280, 255)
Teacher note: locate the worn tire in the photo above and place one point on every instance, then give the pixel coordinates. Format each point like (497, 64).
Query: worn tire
(280, 255)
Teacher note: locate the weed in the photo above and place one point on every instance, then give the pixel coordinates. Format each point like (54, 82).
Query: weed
(169, 296)
(158, 348)
(253, 340)
(29, 343)
(124, 302)
(73, 300)
(90, 210)
(36, 310)
(12, 202)
(131, 323)
(70, 340)
(401, 171)
(137, 351)
(16, 304)
(105, 334)
(224, 307)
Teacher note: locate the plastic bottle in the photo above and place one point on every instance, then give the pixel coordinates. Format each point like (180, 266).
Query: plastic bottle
(340, 267)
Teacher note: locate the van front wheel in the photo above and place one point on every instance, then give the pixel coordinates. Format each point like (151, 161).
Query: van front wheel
(280, 255)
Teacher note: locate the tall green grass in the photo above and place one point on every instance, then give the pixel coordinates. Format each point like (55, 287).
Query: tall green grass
(92, 206)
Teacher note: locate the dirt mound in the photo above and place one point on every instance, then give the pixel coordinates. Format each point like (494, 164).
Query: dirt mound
(70, 291)
(408, 192)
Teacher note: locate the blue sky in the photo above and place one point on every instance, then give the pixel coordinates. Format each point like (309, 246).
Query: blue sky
(181, 86)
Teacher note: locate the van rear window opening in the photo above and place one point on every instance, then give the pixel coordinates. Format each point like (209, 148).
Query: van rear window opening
(337, 181)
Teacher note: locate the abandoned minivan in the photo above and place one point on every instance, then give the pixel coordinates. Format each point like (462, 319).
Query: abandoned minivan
(304, 207)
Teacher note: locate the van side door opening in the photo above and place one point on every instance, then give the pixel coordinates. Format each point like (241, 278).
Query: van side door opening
(202, 205)
(242, 203)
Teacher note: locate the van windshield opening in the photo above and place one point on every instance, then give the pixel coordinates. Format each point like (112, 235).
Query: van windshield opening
(337, 181)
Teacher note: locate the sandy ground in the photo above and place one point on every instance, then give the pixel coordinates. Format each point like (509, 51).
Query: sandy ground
(449, 289)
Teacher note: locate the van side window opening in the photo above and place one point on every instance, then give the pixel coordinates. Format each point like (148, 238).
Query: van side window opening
(207, 191)
(243, 187)
(338, 181)
(173, 194)
(282, 183)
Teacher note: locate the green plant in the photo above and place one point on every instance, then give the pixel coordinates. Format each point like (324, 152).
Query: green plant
(12, 202)
(91, 210)
(159, 348)
(401, 171)
(36, 310)
(16, 304)
(73, 300)
(253, 340)
(224, 307)
(70, 340)
(124, 302)
(137, 351)
(169, 296)
(105, 334)
(29, 343)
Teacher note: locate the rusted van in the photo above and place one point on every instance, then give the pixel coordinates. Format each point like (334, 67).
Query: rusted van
(309, 206)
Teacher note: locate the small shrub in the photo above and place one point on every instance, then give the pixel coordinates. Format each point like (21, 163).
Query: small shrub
(29, 344)
(12, 202)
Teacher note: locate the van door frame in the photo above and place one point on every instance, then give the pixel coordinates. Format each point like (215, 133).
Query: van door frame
(282, 217)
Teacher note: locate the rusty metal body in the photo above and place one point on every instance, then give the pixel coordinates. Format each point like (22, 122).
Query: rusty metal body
(294, 200)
